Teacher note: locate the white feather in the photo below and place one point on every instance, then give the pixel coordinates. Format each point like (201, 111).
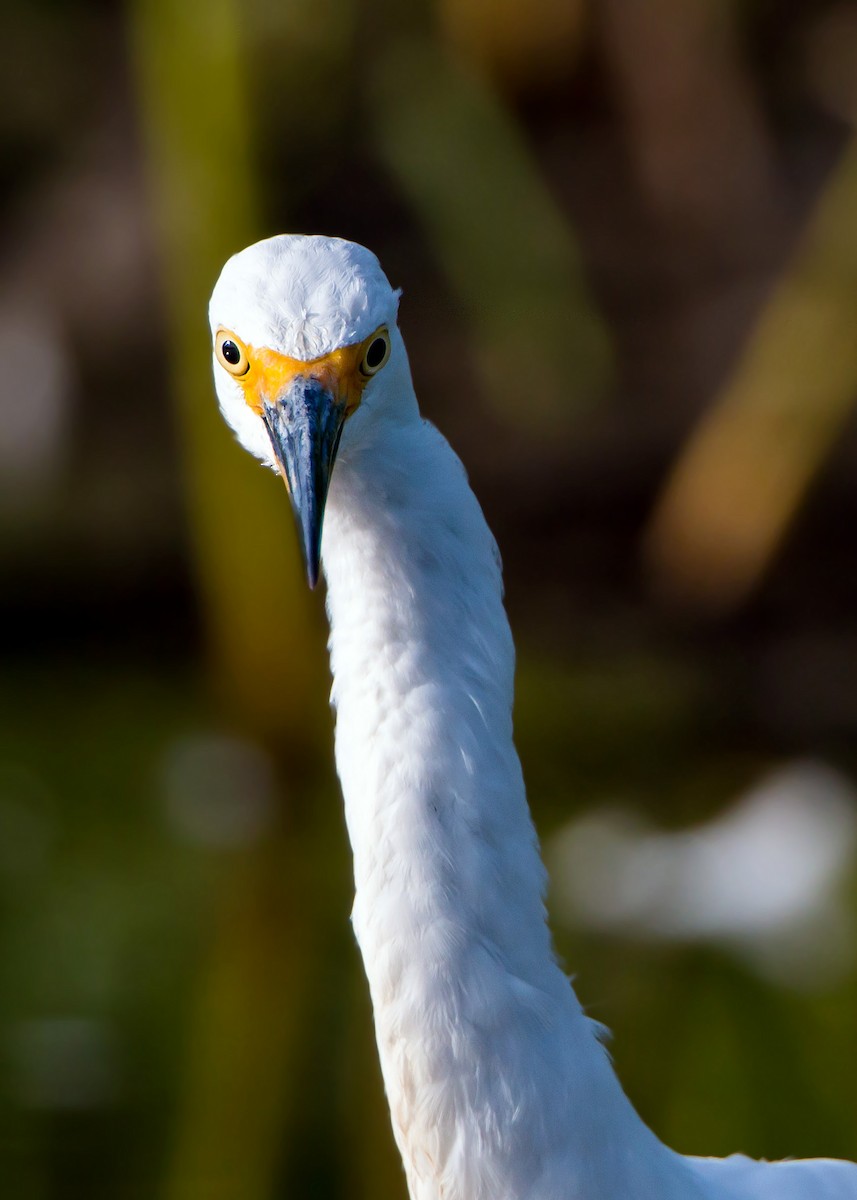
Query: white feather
(499, 1088)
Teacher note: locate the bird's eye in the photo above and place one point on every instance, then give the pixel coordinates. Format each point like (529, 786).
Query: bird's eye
(377, 353)
(231, 353)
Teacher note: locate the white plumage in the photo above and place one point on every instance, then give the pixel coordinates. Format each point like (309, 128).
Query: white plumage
(498, 1085)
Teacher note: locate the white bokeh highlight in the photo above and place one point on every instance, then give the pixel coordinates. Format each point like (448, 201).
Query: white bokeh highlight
(766, 878)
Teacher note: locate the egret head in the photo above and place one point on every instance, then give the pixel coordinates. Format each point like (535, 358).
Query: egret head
(306, 352)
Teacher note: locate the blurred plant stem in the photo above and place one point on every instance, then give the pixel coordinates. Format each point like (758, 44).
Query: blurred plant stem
(263, 638)
(243, 1040)
(507, 250)
(746, 469)
(521, 46)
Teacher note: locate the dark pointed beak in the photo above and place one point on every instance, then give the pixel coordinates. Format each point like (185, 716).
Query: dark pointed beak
(304, 425)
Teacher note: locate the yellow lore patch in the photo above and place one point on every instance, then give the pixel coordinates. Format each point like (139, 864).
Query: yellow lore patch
(265, 374)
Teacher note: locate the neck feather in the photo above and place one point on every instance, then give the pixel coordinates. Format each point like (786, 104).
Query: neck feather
(491, 1069)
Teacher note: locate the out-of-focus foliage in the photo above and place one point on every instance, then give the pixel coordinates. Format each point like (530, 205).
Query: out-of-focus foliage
(624, 233)
(508, 253)
(739, 481)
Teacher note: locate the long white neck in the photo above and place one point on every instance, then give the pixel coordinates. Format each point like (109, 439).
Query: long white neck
(497, 1084)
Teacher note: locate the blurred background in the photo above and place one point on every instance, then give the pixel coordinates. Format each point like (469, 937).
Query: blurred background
(627, 240)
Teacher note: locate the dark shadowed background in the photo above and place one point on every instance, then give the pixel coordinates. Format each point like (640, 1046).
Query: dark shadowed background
(627, 238)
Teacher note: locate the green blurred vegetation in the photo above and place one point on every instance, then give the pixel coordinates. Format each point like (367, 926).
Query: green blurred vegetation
(624, 234)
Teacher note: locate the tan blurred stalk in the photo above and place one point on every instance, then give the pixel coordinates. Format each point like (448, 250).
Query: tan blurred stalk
(263, 634)
(745, 470)
(507, 250)
(521, 46)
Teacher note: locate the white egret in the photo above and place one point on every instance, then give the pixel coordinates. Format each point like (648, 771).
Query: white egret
(499, 1087)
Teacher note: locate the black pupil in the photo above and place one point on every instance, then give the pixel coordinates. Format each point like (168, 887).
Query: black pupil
(231, 353)
(375, 353)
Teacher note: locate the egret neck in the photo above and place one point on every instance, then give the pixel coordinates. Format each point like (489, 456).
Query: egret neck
(498, 1085)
